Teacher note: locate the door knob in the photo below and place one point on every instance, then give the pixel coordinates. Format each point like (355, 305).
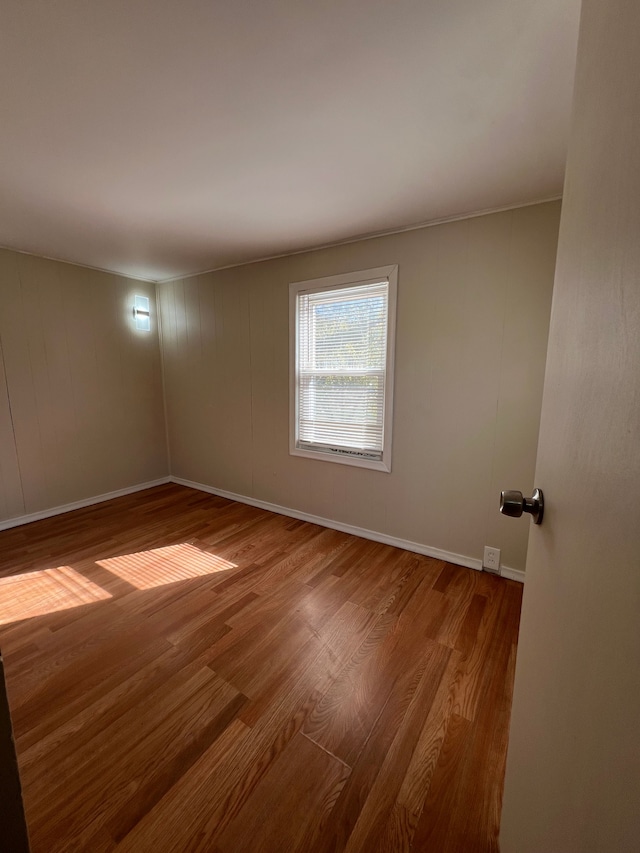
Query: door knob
(514, 504)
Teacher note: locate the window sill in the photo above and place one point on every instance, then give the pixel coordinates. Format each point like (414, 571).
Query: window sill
(354, 461)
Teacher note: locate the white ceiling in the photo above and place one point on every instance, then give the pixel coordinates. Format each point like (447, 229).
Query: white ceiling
(164, 137)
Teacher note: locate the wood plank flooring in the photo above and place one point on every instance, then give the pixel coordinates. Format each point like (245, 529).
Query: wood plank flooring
(190, 674)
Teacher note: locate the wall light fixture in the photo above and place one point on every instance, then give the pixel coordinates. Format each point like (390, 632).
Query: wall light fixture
(141, 313)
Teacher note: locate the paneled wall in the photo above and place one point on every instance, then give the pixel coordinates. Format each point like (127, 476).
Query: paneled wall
(473, 313)
(81, 409)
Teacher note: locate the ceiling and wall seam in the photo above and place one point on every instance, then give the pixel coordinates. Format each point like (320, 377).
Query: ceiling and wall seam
(458, 217)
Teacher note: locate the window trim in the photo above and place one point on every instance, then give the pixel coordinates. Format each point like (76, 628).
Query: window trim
(390, 273)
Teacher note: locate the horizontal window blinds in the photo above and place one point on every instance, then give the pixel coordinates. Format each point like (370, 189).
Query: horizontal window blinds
(342, 346)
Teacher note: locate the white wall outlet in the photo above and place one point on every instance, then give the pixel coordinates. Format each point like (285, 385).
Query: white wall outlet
(491, 561)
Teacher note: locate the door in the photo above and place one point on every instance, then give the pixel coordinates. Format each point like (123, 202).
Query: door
(13, 829)
(573, 768)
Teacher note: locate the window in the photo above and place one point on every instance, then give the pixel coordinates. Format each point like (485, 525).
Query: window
(342, 344)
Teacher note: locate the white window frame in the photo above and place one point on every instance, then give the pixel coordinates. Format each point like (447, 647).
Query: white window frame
(390, 273)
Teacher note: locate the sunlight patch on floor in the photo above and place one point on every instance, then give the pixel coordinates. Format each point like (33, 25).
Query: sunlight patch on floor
(46, 591)
(159, 566)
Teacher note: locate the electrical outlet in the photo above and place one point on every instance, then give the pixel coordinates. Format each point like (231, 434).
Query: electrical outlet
(491, 560)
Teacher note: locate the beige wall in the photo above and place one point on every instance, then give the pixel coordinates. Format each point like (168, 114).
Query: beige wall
(473, 311)
(81, 409)
(573, 768)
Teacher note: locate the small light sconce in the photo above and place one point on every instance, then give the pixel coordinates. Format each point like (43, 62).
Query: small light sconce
(142, 313)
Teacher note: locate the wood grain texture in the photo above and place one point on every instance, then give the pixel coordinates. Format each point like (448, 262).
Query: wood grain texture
(187, 674)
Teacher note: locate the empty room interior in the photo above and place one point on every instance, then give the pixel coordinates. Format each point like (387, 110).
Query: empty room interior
(290, 293)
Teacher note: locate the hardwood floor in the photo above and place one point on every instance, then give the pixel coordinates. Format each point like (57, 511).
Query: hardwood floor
(200, 675)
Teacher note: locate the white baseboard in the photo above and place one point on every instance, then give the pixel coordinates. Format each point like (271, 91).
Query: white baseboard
(58, 510)
(364, 533)
(512, 574)
(416, 547)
